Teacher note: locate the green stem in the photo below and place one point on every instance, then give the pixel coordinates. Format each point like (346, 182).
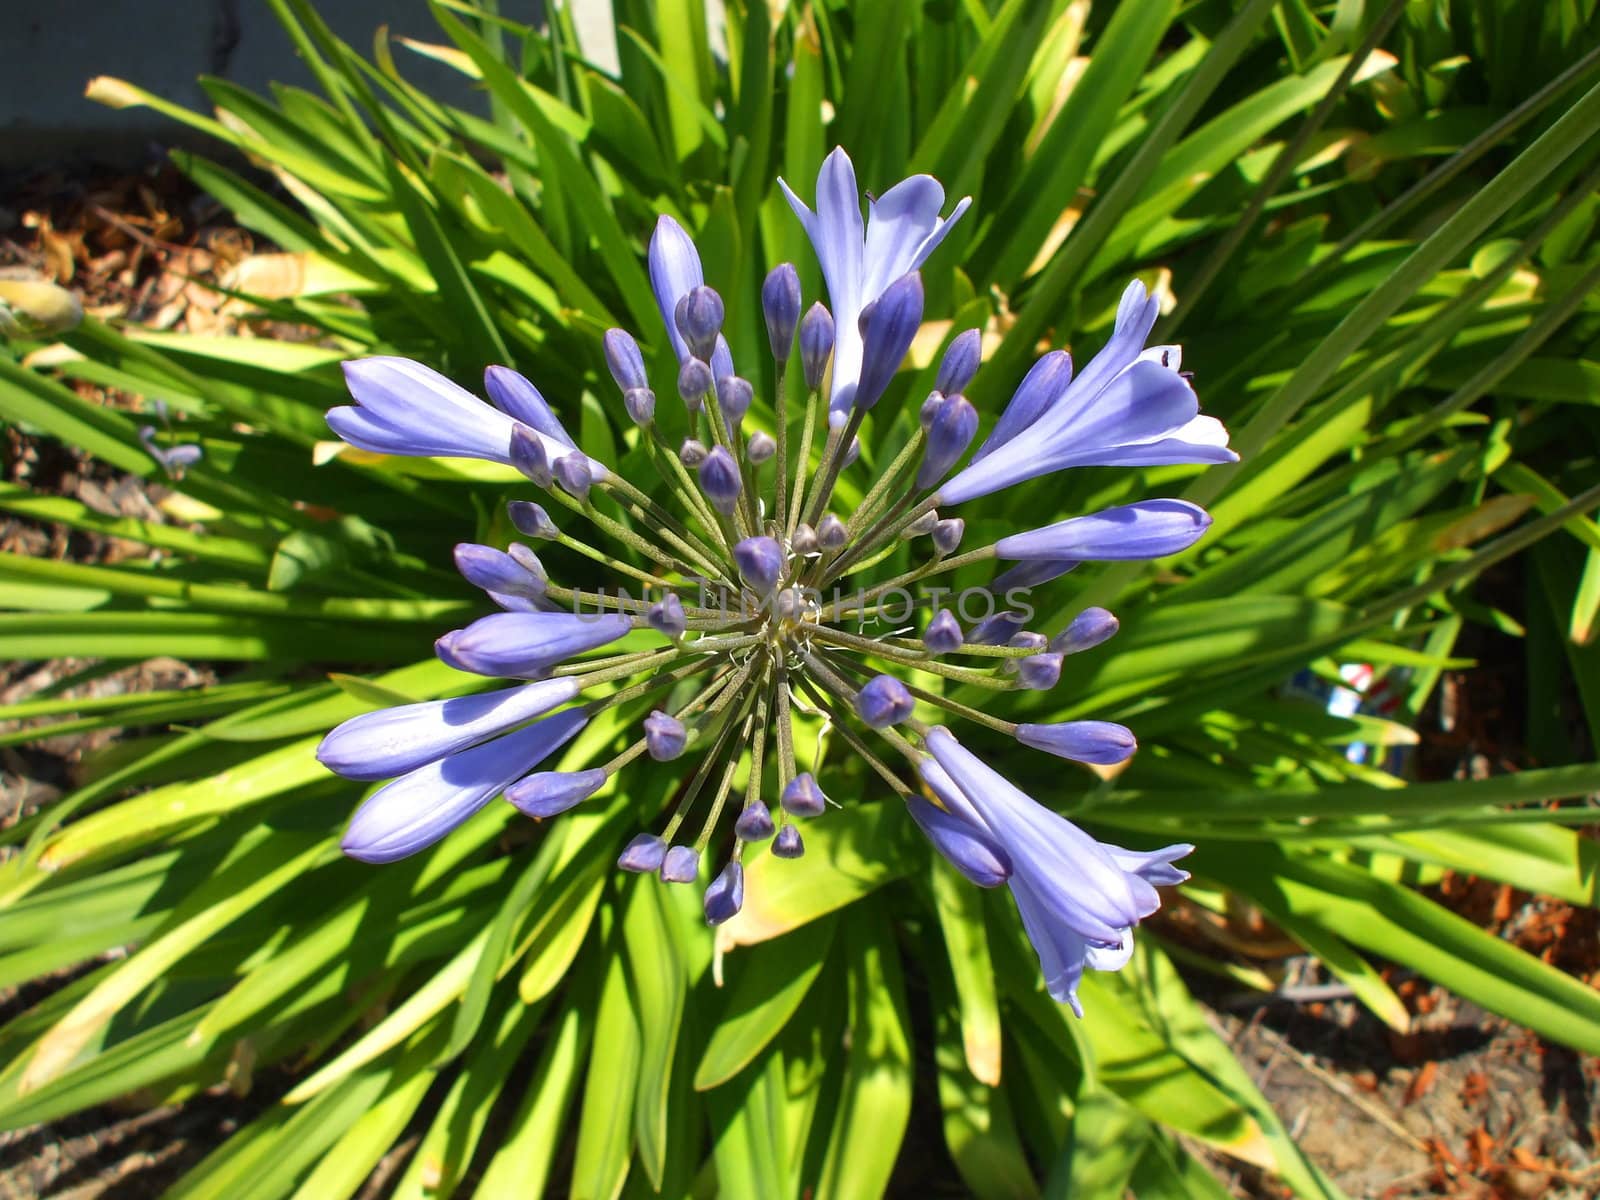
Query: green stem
(937, 567)
(842, 727)
(803, 466)
(913, 661)
(832, 463)
(780, 409)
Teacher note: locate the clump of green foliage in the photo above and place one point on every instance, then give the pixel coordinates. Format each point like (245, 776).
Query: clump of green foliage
(1377, 225)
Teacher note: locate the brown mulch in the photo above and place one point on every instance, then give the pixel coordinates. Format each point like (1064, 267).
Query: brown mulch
(138, 247)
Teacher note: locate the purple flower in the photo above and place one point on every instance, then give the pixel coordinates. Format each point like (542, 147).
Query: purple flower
(549, 793)
(969, 848)
(505, 579)
(527, 645)
(423, 805)
(681, 865)
(802, 797)
(816, 344)
(1079, 898)
(1146, 529)
(1101, 742)
(405, 408)
(643, 855)
(760, 561)
(1041, 387)
(664, 736)
(173, 459)
(943, 634)
(666, 616)
(754, 823)
(1127, 408)
(392, 741)
(860, 259)
(624, 360)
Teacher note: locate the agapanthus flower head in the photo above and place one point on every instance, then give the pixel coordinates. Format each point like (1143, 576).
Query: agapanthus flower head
(730, 593)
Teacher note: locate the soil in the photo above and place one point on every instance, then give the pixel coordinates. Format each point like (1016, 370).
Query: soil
(1466, 1106)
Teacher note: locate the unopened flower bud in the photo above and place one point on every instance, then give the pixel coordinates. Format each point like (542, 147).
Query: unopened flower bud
(884, 701)
(694, 381)
(643, 855)
(699, 319)
(1039, 672)
(760, 562)
(922, 526)
(666, 616)
(887, 334)
(733, 397)
(816, 344)
(725, 895)
(804, 540)
(641, 405)
(692, 453)
(930, 408)
(954, 426)
(681, 865)
(1103, 742)
(760, 447)
(531, 520)
(968, 848)
(720, 481)
(943, 634)
(754, 823)
(624, 360)
(780, 305)
(1088, 629)
(573, 474)
(664, 736)
(788, 843)
(995, 630)
(960, 362)
(499, 573)
(791, 603)
(527, 560)
(515, 395)
(802, 797)
(832, 533)
(528, 456)
(947, 535)
(865, 316)
(1026, 640)
(548, 793)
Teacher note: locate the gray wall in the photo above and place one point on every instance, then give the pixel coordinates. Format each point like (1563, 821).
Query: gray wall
(50, 50)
